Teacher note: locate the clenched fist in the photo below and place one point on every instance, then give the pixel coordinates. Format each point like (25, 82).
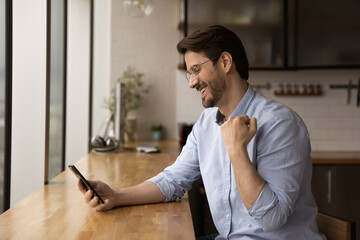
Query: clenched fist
(237, 132)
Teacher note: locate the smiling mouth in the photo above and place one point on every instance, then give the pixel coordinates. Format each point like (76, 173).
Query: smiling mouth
(201, 89)
(202, 92)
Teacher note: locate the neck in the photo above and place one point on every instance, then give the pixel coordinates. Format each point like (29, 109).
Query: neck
(236, 89)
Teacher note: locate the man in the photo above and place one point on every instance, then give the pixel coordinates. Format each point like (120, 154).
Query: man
(252, 153)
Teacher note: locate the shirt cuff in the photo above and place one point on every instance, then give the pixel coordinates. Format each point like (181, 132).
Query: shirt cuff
(265, 202)
(163, 186)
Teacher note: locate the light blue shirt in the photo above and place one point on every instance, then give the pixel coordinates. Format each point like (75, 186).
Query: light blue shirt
(280, 151)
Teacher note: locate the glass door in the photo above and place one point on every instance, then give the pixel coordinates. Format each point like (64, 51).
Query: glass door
(328, 33)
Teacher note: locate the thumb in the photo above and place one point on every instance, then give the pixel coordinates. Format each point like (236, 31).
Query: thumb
(253, 125)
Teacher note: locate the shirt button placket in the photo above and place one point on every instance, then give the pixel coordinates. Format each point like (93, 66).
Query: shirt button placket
(227, 209)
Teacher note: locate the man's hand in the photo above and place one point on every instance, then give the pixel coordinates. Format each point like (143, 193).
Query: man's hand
(237, 132)
(103, 190)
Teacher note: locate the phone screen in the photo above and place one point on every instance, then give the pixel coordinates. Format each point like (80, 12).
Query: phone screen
(85, 182)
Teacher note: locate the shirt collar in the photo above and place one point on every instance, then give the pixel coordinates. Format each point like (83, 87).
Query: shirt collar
(240, 109)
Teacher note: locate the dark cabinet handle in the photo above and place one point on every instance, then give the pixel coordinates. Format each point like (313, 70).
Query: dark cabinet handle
(329, 186)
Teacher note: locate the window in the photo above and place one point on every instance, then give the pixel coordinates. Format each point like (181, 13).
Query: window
(2, 101)
(5, 104)
(56, 88)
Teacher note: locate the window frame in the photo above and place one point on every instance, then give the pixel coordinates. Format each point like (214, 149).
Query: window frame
(8, 103)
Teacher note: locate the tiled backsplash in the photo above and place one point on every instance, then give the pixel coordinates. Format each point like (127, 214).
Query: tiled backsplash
(333, 124)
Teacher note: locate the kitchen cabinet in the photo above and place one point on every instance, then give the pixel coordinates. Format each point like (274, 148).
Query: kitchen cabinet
(323, 188)
(336, 191)
(260, 25)
(328, 33)
(281, 34)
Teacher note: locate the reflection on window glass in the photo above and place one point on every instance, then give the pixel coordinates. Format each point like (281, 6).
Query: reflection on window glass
(56, 89)
(2, 100)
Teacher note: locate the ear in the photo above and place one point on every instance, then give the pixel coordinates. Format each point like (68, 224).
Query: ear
(226, 61)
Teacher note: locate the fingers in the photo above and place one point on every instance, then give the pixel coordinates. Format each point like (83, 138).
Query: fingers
(88, 196)
(93, 201)
(105, 206)
(244, 119)
(81, 186)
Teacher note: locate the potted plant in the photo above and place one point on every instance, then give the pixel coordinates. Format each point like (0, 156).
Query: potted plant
(157, 130)
(134, 91)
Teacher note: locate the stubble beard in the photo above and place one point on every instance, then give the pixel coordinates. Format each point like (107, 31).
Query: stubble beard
(217, 88)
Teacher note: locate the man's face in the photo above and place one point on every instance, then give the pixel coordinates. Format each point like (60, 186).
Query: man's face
(208, 80)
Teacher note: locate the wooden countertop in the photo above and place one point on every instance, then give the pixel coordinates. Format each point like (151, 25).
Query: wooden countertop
(335, 157)
(57, 210)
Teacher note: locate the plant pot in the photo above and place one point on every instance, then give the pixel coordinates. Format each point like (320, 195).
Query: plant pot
(157, 135)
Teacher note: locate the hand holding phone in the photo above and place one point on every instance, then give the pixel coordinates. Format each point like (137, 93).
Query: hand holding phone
(85, 183)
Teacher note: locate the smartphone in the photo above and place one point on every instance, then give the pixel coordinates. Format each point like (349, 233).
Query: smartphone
(85, 182)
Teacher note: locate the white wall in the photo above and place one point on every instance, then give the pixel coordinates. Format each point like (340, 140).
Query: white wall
(28, 100)
(149, 45)
(78, 69)
(333, 125)
(101, 67)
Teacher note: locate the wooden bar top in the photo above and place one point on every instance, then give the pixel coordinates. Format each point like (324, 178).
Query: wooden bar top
(335, 157)
(57, 210)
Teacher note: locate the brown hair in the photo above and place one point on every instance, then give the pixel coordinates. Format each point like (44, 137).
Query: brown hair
(213, 41)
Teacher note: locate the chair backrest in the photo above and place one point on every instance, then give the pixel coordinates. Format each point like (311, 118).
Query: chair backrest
(333, 228)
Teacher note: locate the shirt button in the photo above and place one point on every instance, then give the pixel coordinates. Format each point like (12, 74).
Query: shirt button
(228, 164)
(226, 190)
(227, 215)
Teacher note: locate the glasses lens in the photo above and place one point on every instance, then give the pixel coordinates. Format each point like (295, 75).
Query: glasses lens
(188, 76)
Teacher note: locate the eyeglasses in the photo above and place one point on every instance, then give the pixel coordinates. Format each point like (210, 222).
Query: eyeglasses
(195, 70)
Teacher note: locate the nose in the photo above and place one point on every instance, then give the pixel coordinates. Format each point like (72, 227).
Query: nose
(193, 81)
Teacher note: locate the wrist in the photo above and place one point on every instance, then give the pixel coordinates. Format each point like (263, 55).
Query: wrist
(239, 157)
(118, 197)
(242, 148)
(236, 150)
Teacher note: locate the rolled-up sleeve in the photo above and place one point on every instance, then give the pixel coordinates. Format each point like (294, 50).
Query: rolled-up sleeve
(283, 156)
(176, 179)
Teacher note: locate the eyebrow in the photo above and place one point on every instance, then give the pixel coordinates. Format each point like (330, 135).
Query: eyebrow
(192, 67)
(199, 64)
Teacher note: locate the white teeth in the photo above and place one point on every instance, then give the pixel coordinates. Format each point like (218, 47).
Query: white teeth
(202, 91)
